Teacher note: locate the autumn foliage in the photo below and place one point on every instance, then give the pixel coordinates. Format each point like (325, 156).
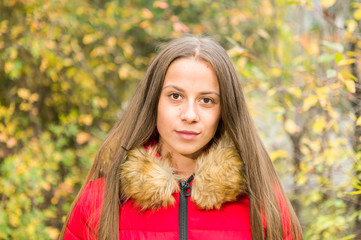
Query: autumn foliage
(68, 68)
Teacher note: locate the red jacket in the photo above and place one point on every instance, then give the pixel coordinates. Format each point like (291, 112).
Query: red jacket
(214, 205)
(230, 222)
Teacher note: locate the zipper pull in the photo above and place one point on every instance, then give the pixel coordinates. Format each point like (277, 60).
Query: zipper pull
(186, 189)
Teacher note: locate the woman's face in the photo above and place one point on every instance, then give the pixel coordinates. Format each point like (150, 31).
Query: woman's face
(189, 107)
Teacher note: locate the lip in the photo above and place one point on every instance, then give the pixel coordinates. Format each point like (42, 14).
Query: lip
(187, 135)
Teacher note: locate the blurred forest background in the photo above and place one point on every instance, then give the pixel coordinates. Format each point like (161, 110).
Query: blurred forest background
(67, 69)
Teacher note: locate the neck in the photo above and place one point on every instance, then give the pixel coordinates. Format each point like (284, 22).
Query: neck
(184, 165)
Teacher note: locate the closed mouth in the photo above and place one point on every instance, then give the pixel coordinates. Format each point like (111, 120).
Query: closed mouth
(187, 135)
(188, 132)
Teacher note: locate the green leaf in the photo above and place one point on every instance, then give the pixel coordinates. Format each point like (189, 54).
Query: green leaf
(291, 2)
(355, 185)
(334, 46)
(325, 58)
(338, 57)
(331, 73)
(232, 41)
(352, 236)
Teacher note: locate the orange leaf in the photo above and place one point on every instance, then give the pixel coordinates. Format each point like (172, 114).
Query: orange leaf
(82, 137)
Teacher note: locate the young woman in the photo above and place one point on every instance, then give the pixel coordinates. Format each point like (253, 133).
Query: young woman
(184, 161)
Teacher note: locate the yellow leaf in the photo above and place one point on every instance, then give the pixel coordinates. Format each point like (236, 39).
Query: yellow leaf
(13, 53)
(351, 25)
(351, 53)
(144, 24)
(271, 92)
(24, 106)
(355, 192)
(238, 51)
(309, 102)
(350, 85)
(358, 121)
(3, 26)
(8, 66)
(89, 38)
(124, 71)
(241, 63)
(303, 167)
(127, 49)
(345, 75)
(98, 51)
(291, 127)
(16, 31)
(34, 97)
(44, 64)
(295, 91)
(323, 91)
(319, 124)
(53, 232)
(85, 119)
(276, 72)
(345, 62)
(301, 180)
(30, 229)
(327, 3)
(105, 127)
(111, 41)
(357, 14)
(14, 220)
(67, 62)
(278, 154)
(100, 102)
(24, 93)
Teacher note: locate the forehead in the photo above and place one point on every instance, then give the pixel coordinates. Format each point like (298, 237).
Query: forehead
(192, 73)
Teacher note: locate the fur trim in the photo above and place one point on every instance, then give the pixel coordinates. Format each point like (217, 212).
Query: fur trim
(150, 181)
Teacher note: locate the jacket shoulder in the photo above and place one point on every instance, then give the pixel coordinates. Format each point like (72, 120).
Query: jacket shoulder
(86, 213)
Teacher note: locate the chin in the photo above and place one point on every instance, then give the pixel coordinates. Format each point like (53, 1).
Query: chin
(191, 151)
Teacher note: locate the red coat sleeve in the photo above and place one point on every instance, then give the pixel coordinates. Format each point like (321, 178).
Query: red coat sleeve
(85, 216)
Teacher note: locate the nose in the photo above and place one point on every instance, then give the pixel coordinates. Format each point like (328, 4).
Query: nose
(189, 112)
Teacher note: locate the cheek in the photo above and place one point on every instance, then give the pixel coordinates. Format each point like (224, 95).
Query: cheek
(165, 115)
(213, 119)
(160, 109)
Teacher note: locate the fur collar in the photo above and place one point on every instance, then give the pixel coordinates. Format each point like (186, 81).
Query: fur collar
(150, 182)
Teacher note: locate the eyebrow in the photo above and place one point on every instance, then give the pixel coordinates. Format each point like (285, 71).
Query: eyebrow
(182, 90)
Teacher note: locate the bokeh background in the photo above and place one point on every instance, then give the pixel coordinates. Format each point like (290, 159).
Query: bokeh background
(68, 68)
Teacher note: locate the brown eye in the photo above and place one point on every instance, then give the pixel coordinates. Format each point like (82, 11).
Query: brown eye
(175, 96)
(207, 100)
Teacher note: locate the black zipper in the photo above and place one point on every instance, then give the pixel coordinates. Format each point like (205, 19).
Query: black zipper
(185, 192)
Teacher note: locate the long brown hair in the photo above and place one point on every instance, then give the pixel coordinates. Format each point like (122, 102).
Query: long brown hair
(138, 122)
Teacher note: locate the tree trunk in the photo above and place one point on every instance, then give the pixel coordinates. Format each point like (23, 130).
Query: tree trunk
(297, 156)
